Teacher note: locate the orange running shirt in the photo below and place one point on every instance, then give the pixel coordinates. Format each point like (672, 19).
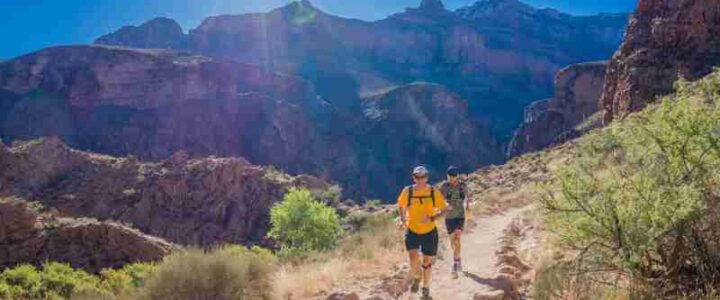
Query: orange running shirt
(421, 208)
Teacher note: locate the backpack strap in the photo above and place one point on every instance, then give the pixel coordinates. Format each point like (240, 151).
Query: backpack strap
(410, 195)
(432, 195)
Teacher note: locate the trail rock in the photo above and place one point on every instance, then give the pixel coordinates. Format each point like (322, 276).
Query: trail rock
(343, 296)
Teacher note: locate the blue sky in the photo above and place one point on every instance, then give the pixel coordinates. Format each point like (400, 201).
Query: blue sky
(28, 25)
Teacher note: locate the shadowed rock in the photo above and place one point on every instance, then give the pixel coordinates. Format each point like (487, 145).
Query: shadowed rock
(548, 122)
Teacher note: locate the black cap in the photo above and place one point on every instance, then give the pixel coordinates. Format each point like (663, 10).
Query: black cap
(453, 171)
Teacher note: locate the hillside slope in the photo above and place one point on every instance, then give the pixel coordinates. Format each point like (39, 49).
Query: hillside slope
(199, 202)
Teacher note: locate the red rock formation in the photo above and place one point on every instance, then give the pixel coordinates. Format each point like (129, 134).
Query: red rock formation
(547, 122)
(152, 103)
(27, 236)
(666, 40)
(187, 201)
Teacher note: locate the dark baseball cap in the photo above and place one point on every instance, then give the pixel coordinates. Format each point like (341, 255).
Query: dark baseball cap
(453, 171)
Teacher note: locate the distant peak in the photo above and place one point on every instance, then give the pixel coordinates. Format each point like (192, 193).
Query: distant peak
(303, 4)
(432, 5)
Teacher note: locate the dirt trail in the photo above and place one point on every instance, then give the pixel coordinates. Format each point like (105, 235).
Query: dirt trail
(478, 281)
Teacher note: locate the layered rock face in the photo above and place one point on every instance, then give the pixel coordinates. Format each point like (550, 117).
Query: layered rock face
(498, 54)
(427, 118)
(577, 92)
(29, 237)
(187, 201)
(666, 40)
(152, 103)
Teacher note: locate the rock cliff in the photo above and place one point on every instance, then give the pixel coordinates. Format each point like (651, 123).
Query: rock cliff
(187, 201)
(547, 122)
(427, 118)
(30, 237)
(666, 40)
(497, 54)
(152, 103)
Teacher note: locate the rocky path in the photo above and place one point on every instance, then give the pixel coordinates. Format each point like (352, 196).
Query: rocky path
(479, 279)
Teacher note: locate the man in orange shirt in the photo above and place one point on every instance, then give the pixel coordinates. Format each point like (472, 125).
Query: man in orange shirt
(420, 205)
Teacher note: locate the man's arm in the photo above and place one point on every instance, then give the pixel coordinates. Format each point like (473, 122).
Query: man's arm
(402, 209)
(443, 206)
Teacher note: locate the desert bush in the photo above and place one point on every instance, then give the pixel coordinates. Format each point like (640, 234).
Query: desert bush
(54, 281)
(227, 273)
(640, 198)
(126, 281)
(303, 224)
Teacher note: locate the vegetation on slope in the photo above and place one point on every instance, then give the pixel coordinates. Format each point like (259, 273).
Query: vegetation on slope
(639, 204)
(314, 257)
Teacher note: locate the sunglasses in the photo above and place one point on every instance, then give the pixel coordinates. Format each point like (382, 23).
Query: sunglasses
(420, 176)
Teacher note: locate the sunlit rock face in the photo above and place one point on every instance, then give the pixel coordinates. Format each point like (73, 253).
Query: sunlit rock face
(547, 122)
(498, 54)
(666, 40)
(30, 237)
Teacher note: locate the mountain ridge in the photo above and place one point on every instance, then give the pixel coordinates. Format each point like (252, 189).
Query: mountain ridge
(436, 47)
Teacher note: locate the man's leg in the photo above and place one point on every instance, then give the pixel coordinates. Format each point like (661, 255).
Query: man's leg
(457, 234)
(415, 265)
(429, 250)
(427, 270)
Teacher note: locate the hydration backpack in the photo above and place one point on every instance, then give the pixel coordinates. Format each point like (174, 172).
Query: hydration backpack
(410, 196)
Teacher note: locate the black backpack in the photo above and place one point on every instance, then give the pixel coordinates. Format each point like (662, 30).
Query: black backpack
(446, 186)
(410, 196)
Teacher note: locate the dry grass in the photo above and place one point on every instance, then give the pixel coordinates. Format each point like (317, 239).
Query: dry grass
(228, 273)
(364, 255)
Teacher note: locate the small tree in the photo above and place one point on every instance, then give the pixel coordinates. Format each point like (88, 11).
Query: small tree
(302, 223)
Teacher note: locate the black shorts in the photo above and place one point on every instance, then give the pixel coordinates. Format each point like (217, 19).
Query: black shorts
(426, 243)
(454, 224)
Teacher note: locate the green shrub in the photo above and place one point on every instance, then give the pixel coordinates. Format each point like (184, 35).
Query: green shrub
(54, 281)
(127, 280)
(228, 273)
(300, 223)
(22, 282)
(641, 196)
